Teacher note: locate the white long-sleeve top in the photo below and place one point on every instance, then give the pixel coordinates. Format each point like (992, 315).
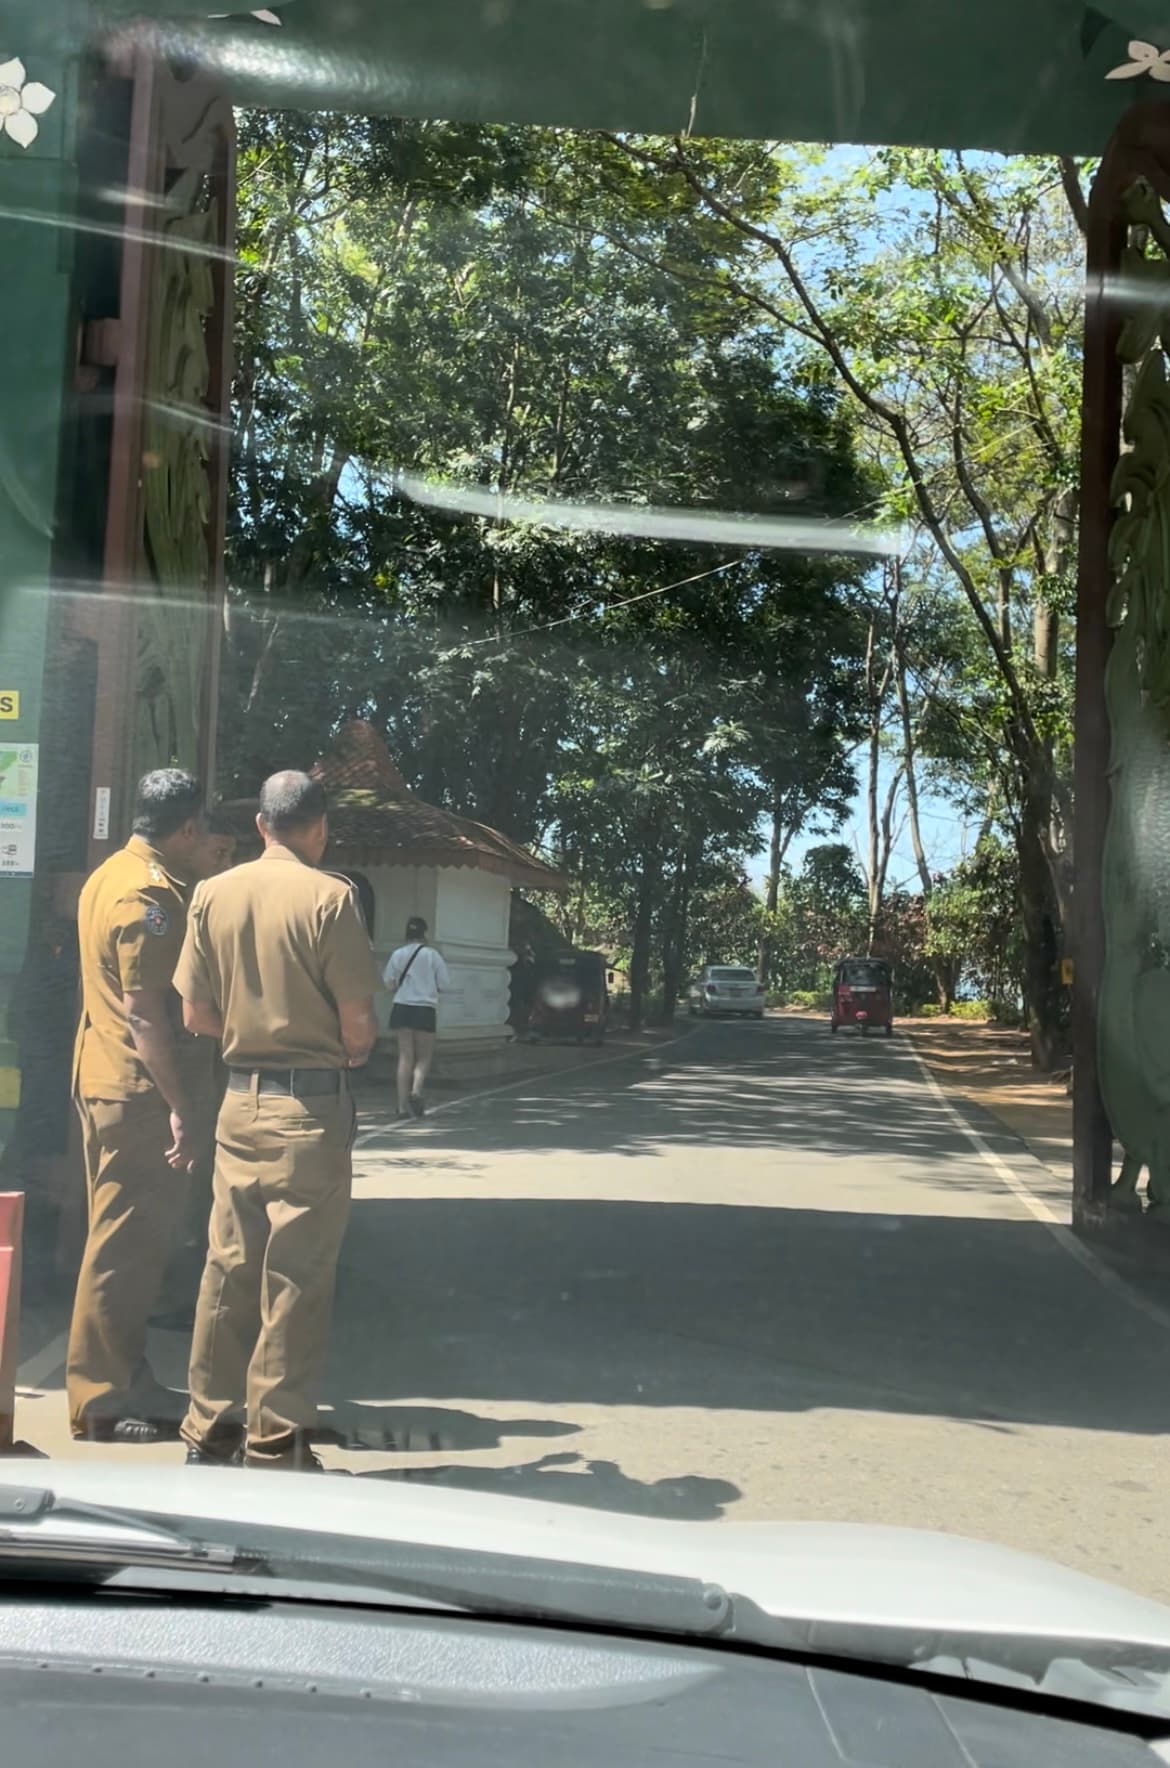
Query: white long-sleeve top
(424, 981)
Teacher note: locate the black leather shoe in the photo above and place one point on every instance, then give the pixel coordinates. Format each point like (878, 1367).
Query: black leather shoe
(205, 1458)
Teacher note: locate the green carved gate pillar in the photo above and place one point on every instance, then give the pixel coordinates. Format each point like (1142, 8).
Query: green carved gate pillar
(38, 195)
(1122, 985)
(116, 208)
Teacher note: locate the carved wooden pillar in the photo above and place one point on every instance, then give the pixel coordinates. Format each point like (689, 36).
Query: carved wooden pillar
(163, 367)
(1138, 158)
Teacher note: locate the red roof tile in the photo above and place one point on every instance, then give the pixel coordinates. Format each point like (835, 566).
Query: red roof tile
(359, 761)
(375, 819)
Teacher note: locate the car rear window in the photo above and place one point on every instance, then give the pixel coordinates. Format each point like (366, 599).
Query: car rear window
(726, 975)
(865, 975)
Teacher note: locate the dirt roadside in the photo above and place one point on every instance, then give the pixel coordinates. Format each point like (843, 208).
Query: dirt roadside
(990, 1065)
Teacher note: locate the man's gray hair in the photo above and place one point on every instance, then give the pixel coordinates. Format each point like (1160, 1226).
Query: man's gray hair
(290, 801)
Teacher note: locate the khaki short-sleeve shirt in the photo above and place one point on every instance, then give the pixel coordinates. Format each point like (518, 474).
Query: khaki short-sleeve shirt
(275, 946)
(131, 920)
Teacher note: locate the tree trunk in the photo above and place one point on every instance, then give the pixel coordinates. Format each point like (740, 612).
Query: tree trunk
(1040, 920)
(640, 951)
(777, 847)
(675, 937)
(943, 970)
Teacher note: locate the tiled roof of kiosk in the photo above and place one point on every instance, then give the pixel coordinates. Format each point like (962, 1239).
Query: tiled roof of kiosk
(375, 819)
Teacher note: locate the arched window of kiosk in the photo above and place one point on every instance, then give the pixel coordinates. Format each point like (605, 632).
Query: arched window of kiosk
(365, 895)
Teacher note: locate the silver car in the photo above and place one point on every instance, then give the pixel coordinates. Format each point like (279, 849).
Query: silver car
(728, 989)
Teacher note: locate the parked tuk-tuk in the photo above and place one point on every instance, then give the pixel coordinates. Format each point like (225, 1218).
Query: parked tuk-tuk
(863, 995)
(570, 998)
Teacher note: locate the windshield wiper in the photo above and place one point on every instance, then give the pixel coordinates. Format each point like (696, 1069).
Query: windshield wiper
(37, 1526)
(44, 1535)
(502, 1584)
(412, 1573)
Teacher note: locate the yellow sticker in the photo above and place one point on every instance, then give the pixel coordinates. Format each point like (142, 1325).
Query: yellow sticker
(1067, 972)
(9, 703)
(9, 1089)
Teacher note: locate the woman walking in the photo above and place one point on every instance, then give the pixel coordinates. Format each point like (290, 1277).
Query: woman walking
(415, 976)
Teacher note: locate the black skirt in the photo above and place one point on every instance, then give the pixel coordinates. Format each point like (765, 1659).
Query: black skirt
(404, 1018)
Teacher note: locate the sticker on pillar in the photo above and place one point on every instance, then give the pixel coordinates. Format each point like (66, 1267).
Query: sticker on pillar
(22, 101)
(9, 703)
(18, 809)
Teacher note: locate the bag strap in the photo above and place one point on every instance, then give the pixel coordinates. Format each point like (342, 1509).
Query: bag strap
(406, 972)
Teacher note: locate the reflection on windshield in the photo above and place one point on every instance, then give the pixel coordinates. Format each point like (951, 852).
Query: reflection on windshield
(473, 591)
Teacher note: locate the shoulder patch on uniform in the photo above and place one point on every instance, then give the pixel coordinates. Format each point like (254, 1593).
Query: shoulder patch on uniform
(157, 876)
(156, 918)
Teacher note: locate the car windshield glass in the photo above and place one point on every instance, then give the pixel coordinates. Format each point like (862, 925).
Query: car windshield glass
(500, 502)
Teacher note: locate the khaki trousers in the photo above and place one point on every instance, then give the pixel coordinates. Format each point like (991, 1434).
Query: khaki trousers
(136, 1205)
(280, 1204)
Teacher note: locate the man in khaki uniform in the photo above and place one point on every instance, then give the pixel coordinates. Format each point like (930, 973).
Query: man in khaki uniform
(177, 1291)
(140, 1085)
(277, 963)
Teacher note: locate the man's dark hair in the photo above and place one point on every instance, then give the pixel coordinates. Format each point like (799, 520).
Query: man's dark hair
(290, 801)
(164, 801)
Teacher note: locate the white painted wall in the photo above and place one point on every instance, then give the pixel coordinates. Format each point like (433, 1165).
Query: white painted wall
(467, 912)
(471, 931)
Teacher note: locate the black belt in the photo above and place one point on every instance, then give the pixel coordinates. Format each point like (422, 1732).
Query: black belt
(294, 1083)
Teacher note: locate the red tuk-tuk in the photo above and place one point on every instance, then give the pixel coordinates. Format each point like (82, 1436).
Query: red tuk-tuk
(863, 995)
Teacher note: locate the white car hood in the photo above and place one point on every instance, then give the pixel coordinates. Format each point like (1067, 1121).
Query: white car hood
(847, 1573)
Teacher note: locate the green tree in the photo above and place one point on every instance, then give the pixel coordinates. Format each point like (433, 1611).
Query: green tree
(942, 295)
(974, 927)
(432, 325)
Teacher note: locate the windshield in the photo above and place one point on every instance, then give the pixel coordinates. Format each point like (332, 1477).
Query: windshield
(490, 518)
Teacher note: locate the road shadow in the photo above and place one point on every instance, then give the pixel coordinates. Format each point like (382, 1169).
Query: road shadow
(785, 1084)
(598, 1485)
(425, 1430)
(552, 1302)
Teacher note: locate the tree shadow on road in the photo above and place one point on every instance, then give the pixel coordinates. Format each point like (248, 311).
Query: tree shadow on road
(412, 1430)
(570, 1479)
(549, 1302)
(786, 1085)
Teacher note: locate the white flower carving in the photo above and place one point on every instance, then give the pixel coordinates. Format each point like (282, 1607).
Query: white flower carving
(1144, 58)
(265, 17)
(21, 103)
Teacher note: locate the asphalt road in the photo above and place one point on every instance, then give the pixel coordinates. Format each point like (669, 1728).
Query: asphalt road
(758, 1273)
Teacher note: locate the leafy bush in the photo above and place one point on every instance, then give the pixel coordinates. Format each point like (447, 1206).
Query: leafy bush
(810, 999)
(971, 1010)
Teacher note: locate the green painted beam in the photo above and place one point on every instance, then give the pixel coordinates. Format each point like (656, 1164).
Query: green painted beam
(1015, 75)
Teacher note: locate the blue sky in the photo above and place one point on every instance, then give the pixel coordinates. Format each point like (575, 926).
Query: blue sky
(945, 835)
